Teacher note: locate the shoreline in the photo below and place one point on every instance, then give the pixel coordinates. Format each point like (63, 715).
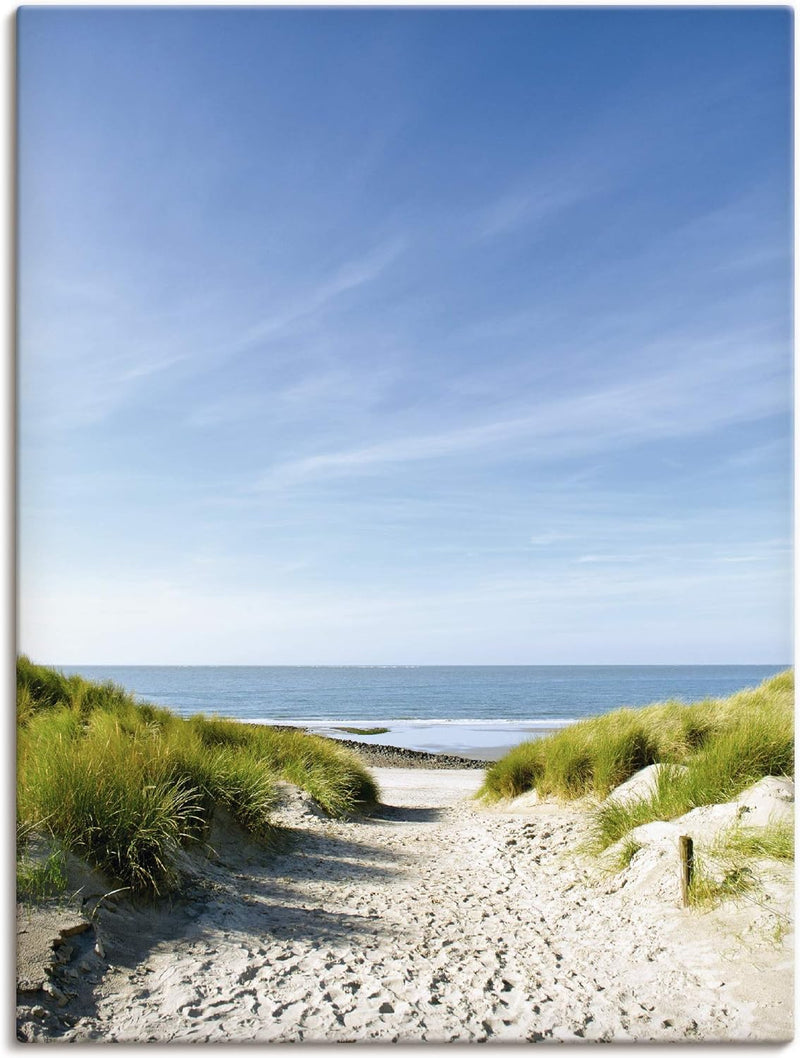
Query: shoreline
(382, 756)
(485, 741)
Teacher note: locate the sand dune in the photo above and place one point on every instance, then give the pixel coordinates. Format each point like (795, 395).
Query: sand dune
(432, 920)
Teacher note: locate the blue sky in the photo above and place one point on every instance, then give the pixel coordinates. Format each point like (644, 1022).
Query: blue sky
(376, 336)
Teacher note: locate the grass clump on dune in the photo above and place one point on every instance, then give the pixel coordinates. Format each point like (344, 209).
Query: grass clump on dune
(774, 841)
(728, 868)
(626, 852)
(589, 757)
(329, 773)
(126, 784)
(712, 750)
(38, 880)
(751, 735)
(106, 794)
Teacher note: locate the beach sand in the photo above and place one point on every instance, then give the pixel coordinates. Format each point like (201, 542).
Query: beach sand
(433, 919)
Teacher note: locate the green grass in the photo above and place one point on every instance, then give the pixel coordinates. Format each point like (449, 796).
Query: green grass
(708, 888)
(724, 746)
(38, 880)
(728, 869)
(126, 784)
(590, 756)
(670, 798)
(627, 851)
(363, 730)
(774, 841)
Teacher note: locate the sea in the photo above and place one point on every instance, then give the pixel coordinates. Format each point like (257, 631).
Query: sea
(469, 710)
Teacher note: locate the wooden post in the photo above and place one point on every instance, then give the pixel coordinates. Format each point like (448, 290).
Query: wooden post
(686, 850)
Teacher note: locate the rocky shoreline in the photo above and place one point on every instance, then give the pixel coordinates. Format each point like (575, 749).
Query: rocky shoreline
(396, 757)
(377, 756)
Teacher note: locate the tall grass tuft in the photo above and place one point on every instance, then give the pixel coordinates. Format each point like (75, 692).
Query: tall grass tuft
(106, 795)
(728, 867)
(331, 774)
(723, 745)
(590, 757)
(774, 841)
(38, 880)
(125, 784)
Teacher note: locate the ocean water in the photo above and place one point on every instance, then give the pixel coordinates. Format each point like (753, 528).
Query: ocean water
(471, 709)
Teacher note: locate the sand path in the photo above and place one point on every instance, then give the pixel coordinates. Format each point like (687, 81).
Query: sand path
(432, 920)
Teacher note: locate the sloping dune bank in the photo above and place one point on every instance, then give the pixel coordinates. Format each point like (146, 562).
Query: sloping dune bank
(436, 920)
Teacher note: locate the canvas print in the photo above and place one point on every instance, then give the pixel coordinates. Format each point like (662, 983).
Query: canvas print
(404, 642)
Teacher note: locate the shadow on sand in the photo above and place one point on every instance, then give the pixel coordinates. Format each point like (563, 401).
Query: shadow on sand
(404, 814)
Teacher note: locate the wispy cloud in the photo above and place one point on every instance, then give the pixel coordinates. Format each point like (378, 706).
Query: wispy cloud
(115, 346)
(310, 394)
(537, 204)
(610, 558)
(743, 558)
(595, 161)
(303, 305)
(692, 399)
(152, 367)
(546, 539)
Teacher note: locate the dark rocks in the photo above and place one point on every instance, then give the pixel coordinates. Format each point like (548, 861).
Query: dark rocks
(395, 757)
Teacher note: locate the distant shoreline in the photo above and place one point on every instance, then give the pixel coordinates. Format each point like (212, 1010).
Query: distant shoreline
(469, 740)
(379, 756)
(382, 754)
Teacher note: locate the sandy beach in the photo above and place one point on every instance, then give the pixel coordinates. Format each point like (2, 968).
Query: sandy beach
(433, 919)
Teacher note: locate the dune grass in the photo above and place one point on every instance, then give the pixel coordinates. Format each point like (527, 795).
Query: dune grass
(711, 750)
(126, 784)
(39, 880)
(775, 841)
(728, 868)
(710, 887)
(626, 852)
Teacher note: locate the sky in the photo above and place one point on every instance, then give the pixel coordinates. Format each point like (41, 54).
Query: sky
(404, 336)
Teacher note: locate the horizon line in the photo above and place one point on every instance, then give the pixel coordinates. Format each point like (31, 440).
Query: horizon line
(420, 665)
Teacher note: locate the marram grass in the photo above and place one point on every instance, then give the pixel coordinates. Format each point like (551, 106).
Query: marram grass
(126, 784)
(728, 868)
(40, 880)
(775, 841)
(712, 751)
